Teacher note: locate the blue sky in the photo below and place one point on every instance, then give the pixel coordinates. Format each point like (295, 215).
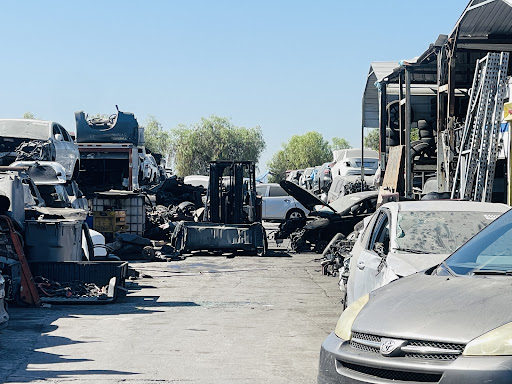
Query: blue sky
(289, 66)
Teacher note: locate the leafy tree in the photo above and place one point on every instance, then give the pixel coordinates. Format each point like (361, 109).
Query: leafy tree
(156, 139)
(301, 151)
(371, 140)
(29, 115)
(340, 143)
(213, 138)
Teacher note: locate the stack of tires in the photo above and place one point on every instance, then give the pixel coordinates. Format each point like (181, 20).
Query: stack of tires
(426, 144)
(392, 137)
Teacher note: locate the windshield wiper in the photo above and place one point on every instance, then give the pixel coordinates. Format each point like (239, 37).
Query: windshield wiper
(411, 250)
(507, 272)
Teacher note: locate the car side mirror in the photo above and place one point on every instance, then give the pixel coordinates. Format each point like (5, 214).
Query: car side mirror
(380, 249)
(59, 137)
(354, 209)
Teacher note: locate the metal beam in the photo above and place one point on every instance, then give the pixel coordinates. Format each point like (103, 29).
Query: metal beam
(408, 168)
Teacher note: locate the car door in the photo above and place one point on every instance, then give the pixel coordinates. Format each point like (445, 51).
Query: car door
(371, 270)
(61, 155)
(71, 149)
(261, 190)
(278, 203)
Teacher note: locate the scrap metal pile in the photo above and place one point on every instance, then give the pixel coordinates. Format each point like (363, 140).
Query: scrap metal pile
(72, 289)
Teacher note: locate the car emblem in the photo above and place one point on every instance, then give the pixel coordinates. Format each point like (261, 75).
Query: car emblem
(390, 347)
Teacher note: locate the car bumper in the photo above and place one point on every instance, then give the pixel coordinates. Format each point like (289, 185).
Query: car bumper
(340, 363)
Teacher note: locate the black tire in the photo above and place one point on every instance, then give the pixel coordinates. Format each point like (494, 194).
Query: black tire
(426, 133)
(430, 141)
(418, 149)
(392, 134)
(295, 213)
(391, 142)
(424, 124)
(148, 253)
(392, 110)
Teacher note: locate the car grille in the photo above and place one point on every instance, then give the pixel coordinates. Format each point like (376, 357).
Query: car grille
(389, 374)
(415, 349)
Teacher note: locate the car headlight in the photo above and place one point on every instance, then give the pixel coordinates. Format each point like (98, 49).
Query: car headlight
(497, 342)
(344, 327)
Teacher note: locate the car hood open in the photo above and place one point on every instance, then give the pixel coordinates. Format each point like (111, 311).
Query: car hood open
(304, 197)
(437, 308)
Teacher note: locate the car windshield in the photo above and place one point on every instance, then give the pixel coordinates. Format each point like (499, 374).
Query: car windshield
(24, 129)
(489, 251)
(439, 231)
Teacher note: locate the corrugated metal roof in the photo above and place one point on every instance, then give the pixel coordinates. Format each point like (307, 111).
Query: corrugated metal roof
(378, 71)
(482, 18)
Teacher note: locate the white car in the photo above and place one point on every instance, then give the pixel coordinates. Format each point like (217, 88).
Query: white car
(62, 148)
(348, 162)
(278, 204)
(402, 238)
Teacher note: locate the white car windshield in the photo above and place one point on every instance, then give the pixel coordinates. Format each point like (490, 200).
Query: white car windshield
(33, 130)
(439, 231)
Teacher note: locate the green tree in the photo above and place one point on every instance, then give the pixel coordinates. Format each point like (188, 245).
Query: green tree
(156, 138)
(340, 143)
(29, 115)
(213, 138)
(301, 151)
(371, 139)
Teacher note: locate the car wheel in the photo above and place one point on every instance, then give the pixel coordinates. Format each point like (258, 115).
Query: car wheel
(295, 214)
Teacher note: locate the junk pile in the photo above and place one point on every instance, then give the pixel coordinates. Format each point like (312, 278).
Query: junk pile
(35, 150)
(357, 185)
(73, 289)
(335, 253)
(173, 191)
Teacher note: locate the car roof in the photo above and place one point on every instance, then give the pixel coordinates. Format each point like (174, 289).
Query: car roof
(31, 120)
(446, 205)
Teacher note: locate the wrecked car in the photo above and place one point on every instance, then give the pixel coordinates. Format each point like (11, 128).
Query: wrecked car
(27, 139)
(325, 220)
(402, 238)
(448, 324)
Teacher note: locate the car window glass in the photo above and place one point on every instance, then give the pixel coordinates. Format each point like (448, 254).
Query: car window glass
(56, 130)
(66, 135)
(367, 230)
(381, 232)
(261, 190)
(276, 191)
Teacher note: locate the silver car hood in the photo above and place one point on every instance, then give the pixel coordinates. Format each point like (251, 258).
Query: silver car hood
(437, 308)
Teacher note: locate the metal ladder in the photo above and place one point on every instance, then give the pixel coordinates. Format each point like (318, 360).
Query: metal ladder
(474, 175)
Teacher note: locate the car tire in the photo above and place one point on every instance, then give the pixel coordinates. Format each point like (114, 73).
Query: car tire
(295, 213)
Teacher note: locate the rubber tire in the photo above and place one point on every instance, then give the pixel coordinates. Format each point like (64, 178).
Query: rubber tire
(298, 213)
(424, 124)
(392, 134)
(418, 149)
(391, 142)
(430, 141)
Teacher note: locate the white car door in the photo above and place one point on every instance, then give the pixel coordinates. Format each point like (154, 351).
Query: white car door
(71, 150)
(61, 153)
(278, 203)
(370, 270)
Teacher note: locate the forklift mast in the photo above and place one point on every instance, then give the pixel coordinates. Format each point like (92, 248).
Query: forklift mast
(232, 193)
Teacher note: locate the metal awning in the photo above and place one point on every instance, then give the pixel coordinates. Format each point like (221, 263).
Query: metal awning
(484, 23)
(379, 70)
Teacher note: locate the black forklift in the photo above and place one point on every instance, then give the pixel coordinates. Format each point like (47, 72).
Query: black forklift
(232, 217)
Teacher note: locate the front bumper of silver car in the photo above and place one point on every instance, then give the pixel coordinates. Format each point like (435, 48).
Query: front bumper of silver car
(341, 363)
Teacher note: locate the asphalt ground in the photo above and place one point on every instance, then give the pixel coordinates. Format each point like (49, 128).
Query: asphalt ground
(205, 319)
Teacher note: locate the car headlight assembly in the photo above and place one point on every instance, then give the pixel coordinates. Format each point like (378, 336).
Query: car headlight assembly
(497, 342)
(344, 327)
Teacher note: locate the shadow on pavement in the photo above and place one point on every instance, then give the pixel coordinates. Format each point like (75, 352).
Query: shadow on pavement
(29, 332)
